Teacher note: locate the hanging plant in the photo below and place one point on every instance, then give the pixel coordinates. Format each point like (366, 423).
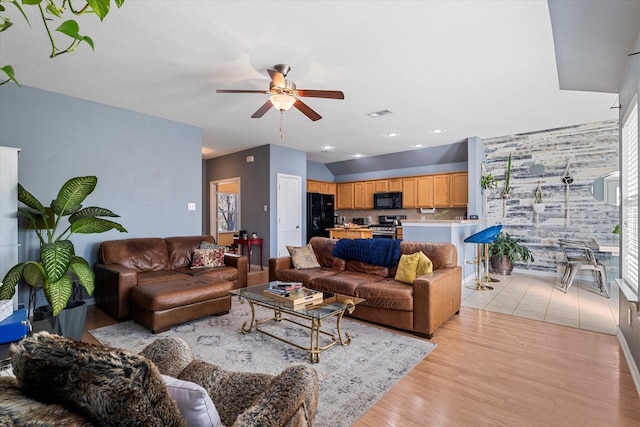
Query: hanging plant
(488, 182)
(507, 180)
(537, 194)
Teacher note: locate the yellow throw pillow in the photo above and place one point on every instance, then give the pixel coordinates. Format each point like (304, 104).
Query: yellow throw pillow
(425, 265)
(407, 266)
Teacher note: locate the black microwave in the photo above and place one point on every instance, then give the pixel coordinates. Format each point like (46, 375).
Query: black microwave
(391, 200)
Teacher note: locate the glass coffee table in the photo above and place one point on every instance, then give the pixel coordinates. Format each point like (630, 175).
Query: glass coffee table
(313, 314)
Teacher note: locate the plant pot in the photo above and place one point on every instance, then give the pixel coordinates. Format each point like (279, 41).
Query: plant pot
(69, 323)
(502, 266)
(538, 208)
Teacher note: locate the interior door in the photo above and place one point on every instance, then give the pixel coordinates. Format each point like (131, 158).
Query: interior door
(289, 212)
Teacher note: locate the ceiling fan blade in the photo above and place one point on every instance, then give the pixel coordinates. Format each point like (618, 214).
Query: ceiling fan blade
(306, 110)
(262, 110)
(240, 91)
(309, 93)
(277, 78)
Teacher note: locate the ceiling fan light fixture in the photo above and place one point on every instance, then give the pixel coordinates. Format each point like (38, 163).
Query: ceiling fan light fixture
(282, 101)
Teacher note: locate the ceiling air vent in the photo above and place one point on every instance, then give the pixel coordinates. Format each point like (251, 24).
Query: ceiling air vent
(379, 113)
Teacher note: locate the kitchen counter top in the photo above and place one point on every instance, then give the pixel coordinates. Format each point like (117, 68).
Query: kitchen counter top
(443, 222)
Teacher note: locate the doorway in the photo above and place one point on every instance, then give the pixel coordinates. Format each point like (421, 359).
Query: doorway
(289, 213)
(225, 210)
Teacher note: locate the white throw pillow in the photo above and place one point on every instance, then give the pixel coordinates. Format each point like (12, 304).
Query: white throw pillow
(195, 405)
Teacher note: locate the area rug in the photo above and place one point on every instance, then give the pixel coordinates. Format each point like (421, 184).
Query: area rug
(352, 378)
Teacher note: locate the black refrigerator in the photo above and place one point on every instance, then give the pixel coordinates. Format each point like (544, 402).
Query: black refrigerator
(320, 218)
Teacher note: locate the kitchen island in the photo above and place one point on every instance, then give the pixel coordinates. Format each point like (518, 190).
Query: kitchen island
(350, 233)
(452, 231)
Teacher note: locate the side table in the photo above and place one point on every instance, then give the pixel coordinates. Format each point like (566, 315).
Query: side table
(248, 242)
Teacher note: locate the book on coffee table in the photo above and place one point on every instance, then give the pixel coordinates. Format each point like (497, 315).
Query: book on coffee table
(297, 298)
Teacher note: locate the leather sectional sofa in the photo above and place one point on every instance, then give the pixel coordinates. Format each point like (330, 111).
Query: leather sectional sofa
(420, 307)
(150, 280)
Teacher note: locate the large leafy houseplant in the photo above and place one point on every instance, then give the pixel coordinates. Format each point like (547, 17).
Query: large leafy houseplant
(507, 246)
(59, 264)
(52, 11)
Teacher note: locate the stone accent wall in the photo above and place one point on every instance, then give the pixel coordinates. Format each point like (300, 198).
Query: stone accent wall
(592, 150)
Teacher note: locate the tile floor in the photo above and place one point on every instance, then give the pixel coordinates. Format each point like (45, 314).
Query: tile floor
(542, 298)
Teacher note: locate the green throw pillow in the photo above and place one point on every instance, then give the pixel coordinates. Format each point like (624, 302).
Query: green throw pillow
(407, 267)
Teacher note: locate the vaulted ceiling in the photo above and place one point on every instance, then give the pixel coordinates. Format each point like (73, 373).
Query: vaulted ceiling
(469, 68)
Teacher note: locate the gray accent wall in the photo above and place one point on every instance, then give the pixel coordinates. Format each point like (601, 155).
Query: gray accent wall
(148, 168)
(592, 150)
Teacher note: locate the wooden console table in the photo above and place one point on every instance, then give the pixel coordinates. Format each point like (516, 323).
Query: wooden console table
(248, 242)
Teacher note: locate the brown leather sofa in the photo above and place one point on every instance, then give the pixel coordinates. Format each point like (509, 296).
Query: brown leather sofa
(420, 307)
(168, 291)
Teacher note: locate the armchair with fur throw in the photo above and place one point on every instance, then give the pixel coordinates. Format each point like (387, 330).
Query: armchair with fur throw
(69, 383)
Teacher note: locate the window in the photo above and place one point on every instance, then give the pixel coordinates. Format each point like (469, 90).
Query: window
(227, 212)
(629, 229)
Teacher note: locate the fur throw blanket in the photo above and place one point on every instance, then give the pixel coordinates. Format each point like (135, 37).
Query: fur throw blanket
(384, 252)
(109, 387)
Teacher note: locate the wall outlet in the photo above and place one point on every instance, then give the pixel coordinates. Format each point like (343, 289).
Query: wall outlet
(265, 208)
(191, 206)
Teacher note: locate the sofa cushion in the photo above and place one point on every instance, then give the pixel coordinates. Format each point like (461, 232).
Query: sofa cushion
(303, 276)
(140, 254)
(388, 293)
(407, 268)
(148, 277)
(344, 282)
(303, 257)
(443, 255)
(365, 267)
(323, 248)
(194, 403)
(178, 293)
(384, 252)
(109, 386)
(181, 249)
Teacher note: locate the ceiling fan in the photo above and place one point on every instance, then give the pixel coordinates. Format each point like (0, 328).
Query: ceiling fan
(284, 94)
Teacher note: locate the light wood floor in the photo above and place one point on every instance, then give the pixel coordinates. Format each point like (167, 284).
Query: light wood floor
(492, 369)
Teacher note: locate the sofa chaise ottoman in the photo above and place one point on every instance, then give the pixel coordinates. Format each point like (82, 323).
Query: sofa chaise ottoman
(168, 291)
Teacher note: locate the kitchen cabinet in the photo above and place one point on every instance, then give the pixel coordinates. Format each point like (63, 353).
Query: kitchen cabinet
(363, 194)
(394, 184)
(345, 195)
(459, 189)
(409, 199)
(328, 188)
(382, 185)
(441, 191)
(369, 189)
(424, 191)
(313, 186)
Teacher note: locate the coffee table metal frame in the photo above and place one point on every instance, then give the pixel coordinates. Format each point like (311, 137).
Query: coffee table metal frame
(336, 305)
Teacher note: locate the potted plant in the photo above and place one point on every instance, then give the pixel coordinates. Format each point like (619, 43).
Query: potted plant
(505, 251)
(538, 205)
(59, 265)
(507, 180)
(488, 182)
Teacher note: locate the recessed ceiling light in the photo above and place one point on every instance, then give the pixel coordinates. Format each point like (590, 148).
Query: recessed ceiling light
(437, 131)
(379, 113)
(418, 145)
(392, 134)
(326, 148)
(357, 155)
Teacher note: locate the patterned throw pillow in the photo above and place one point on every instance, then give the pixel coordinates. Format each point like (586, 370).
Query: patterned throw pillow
(303, 257)
(407, 268)
(207, 245)
(207, 258)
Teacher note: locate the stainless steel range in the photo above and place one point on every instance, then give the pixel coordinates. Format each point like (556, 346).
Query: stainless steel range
(386, 227)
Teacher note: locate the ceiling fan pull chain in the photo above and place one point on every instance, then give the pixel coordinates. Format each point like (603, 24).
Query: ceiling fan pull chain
(281, 124)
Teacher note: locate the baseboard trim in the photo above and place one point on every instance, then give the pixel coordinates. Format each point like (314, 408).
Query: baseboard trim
(635, 373)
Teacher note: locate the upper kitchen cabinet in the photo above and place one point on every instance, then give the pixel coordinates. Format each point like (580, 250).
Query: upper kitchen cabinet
(382, 185)
(409, 193)
(394, 184)
(345, 195)
(441, 191)
(313, 186)
(321, 187)
(459, 189)
(363, 194)
(424, 191)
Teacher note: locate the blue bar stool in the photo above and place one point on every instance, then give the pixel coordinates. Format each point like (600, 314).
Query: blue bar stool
(482, 240)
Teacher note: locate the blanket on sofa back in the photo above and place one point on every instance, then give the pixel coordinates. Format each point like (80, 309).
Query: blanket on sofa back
(385, 252)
